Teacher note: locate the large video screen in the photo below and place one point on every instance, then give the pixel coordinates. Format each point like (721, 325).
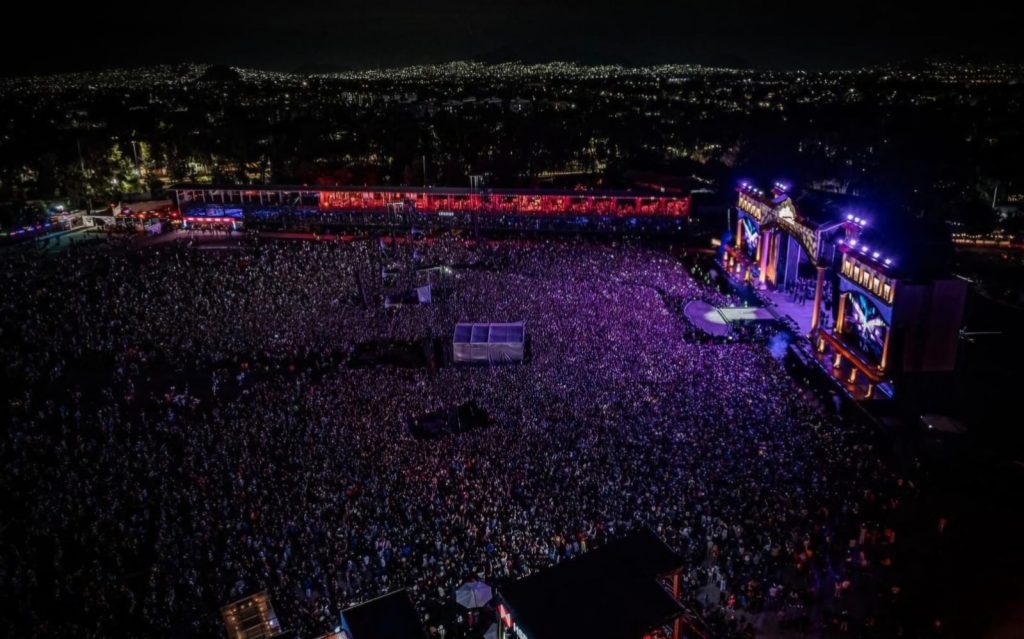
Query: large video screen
(864, 325)
(751, 236)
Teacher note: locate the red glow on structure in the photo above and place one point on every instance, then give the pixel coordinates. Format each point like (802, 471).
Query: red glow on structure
(583, 203)
(226, 220)
(504, 615)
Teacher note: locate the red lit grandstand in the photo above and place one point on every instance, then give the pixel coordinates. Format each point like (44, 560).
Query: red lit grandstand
(508, 201)
(370, 206)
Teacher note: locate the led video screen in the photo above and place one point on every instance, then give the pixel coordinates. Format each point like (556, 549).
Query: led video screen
(864, 326)
(751, 236)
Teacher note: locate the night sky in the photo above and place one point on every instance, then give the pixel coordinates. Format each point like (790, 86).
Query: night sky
(375, 33)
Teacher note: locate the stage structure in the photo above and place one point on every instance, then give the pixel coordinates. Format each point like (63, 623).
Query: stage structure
(891, 322)
(324, 208)
(489, 343)
(773, 239)
(897, 310)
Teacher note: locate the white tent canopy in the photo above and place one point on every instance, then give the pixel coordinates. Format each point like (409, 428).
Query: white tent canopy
(473, 342)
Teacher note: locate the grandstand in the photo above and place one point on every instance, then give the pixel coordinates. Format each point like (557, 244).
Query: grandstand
(322, 208)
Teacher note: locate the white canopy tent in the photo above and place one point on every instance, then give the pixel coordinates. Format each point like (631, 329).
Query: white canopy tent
(491, 343)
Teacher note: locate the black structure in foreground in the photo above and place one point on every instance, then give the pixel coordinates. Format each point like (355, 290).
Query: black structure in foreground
(392, 616)
(614, 592)
(454, 420)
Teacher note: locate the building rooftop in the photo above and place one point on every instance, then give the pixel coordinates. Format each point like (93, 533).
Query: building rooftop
(608, 593)
(392, 616)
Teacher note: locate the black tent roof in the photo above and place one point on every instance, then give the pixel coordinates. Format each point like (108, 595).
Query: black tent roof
(609, 593)
(392, 616)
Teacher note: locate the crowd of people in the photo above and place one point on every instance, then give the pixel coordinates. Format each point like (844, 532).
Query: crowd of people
(183, 432)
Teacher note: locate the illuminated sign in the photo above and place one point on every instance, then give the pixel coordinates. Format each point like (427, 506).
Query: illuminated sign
(506, 620)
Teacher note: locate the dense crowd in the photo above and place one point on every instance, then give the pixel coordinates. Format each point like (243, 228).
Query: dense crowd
(183, 431)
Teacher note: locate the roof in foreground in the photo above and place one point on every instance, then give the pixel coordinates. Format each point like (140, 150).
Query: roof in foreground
(608, 593)
(440, 190)
(392, 616)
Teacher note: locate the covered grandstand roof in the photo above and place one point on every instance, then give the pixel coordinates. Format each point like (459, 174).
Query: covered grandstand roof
(451, 190)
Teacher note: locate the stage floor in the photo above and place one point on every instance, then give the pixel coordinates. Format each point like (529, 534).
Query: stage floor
(783, 305)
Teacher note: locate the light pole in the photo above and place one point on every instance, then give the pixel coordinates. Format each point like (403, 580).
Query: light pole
(135, 154)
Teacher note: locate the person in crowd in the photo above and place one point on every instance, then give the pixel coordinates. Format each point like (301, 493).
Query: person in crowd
(183, 431)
